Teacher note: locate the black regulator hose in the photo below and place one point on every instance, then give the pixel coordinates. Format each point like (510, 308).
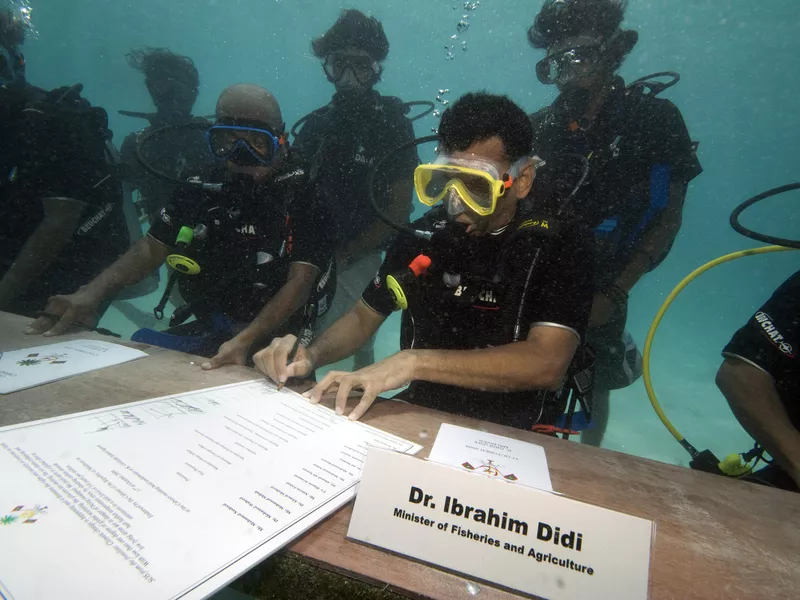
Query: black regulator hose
(769, 239)
(148, 136)
(426, 235)
(409, 105)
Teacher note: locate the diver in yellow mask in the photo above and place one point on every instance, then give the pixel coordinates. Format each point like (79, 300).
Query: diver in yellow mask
(501, 295)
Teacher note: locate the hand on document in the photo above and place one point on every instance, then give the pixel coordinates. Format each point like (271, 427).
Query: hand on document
(271, 361)
(389, 374)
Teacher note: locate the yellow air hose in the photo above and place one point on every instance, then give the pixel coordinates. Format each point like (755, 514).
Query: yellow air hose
(727, 465)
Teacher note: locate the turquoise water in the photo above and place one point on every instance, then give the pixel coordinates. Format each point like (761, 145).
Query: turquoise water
(739, 95)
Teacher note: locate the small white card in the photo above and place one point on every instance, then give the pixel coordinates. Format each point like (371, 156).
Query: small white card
(492, 455)
(518, 537)
(23, 369)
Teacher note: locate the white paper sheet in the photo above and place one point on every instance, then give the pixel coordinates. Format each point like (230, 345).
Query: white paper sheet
(492, 455)
(171, 497)
(23, 369)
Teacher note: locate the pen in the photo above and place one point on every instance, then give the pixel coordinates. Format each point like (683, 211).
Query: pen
(100, 330)
(296, 346)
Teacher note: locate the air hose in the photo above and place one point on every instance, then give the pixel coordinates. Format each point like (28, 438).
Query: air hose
(732, 464)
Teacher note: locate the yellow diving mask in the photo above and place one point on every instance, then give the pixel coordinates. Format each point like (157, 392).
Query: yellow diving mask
(476, 182)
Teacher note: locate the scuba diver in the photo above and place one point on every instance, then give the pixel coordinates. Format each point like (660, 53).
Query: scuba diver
(495, 303)
(342, 141)
(641, 160)
(252, 252)
(760, 378)
(173, 83)
(61, 214)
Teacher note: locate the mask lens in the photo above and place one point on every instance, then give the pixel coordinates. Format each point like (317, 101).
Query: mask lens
(433, 182)
(224, 140)
(363, 67)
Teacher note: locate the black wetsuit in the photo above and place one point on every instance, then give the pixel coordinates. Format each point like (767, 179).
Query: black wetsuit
(54, 145)
(254, 234)
(536, 271)
(342, 142)
(637, 146)
(770, 341)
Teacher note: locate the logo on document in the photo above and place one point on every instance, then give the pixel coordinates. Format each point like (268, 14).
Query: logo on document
(489, 468)
(34, 359)
(23, 514)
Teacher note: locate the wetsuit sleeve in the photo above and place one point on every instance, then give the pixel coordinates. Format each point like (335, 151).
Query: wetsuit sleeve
(771, 337)
(166, 223)
(563, 284)
(377, 295)
(312, 232)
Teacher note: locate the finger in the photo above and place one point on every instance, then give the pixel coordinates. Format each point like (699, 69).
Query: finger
(40, 325)
(370, 393)
(64, 323)
(281, 356)
(299, 368)
(261, 361)
(332, 378)
(346, 384)
(213, 363)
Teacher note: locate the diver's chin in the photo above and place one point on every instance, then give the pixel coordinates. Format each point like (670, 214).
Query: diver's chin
(471, 227)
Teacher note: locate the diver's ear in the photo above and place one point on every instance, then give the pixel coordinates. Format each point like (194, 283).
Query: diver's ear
(527, 173)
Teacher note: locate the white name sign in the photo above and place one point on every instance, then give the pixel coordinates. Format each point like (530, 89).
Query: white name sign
(518, 537)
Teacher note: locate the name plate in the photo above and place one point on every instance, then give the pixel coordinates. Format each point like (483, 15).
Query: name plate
(517, 537)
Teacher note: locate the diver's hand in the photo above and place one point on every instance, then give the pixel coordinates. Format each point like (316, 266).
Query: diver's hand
(271, 361)
(389, 374)
(62, 311)
(232, 352)
(603, 308)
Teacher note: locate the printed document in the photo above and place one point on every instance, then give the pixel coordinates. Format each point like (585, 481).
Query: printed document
(22, 369)
(172, 497)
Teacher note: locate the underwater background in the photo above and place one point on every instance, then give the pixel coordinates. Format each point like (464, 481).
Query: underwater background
(739, 94)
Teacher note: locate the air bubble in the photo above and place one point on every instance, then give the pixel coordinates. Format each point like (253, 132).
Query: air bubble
(462, 26)
(436, 113)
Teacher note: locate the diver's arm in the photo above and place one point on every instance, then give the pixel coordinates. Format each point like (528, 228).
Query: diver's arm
(141, 259)
(62, 311)
(61, 218)
(292, 296)
(655, 242)
(397, 211)
(757, 406)
(346, 335)
(539, 362)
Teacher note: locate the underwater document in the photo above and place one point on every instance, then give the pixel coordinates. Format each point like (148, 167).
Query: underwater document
(172, 497)
(22, 369)
(492, 455)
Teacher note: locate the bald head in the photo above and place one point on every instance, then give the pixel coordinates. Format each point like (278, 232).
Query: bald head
(251, 103)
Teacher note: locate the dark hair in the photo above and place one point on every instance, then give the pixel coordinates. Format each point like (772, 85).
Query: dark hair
(354, 29)
(12, 29)
(478, 116)
(560, 19)
(161, 63)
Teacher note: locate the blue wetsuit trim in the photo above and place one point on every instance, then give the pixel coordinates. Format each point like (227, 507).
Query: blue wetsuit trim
(660, 176)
